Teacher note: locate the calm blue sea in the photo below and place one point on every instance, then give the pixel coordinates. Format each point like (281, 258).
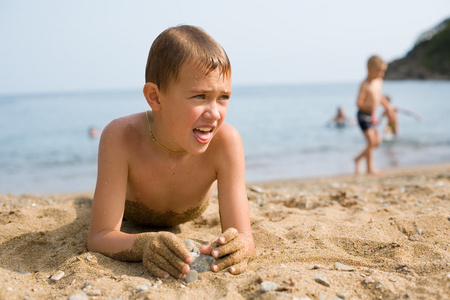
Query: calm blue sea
(45, 146)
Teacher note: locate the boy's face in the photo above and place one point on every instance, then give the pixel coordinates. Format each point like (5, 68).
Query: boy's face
(194, 107)
(377, 71)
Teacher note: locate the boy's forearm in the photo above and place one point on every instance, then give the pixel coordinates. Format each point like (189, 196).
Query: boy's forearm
(118, 245)
(135, 253)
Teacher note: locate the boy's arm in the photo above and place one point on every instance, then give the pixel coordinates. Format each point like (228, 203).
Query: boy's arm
(409, 113)
(390, 111)
(361, 97)
(109, 198)
(236, 239)
(162, 253)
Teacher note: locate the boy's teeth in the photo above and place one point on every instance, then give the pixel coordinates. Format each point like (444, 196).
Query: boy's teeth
(204, 128)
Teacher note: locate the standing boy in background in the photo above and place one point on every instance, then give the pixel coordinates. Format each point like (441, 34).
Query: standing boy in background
(369, 97)
(158, 167)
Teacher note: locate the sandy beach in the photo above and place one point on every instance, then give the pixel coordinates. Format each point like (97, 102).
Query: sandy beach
(366, 237)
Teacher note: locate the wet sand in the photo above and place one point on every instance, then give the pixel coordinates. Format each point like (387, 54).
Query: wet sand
(392, 232)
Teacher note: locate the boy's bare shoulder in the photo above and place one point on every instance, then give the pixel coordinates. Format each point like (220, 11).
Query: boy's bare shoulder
(124, 128)
(364, 84)
(228, 134)
(226, 142)
(125, 122)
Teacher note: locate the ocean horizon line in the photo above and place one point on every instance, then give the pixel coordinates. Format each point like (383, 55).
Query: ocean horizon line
(102, 91)
(124, 90)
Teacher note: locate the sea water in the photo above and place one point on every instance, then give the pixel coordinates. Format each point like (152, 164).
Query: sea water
(45, 145)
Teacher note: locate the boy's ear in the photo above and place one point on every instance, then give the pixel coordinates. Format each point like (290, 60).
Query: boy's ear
(151, 94)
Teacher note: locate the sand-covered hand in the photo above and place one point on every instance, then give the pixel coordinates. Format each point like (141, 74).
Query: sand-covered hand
(230, 250)
(165, 255)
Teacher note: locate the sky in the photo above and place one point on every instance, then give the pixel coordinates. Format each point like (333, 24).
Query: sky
(53, 46)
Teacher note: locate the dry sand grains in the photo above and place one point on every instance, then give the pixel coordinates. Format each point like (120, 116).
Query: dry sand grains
(393, 230)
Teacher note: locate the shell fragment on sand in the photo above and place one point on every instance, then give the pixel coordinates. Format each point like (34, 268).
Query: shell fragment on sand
(322, 280)
(343, 267)
(57, 276)
(267, 286)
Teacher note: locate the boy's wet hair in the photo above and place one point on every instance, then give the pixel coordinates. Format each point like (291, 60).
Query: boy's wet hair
(375, 62)
(181, 44)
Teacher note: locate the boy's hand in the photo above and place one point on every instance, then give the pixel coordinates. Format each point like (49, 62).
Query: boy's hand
(231, 249)
(164, 254)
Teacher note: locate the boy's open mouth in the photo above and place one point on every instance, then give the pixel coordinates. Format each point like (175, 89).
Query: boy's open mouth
(203, 134)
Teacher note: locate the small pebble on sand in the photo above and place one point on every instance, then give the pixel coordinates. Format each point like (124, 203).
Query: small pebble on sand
(143, 287)
(413, 238)
(190, 245)
(343, 267)
(79, 296)
(256, 189)
(201, 262)
(322, 280)
(91, 258)
(191, 276)
(267, 286)
(93, 293)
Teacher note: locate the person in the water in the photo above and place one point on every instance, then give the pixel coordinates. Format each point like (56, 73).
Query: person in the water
(392, 127)
(340, 120)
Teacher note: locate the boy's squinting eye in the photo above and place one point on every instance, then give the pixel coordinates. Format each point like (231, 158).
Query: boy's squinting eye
(204, 96)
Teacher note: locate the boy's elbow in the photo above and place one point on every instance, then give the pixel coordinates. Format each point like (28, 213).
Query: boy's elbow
(93, 243)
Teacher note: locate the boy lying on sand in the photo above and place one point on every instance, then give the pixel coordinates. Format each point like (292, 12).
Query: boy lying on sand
(158, 167)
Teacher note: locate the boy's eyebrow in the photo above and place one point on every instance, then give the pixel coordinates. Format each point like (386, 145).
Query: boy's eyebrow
(202, 91)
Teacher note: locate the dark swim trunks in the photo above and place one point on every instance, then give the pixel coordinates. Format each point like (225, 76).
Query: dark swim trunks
(366, 120)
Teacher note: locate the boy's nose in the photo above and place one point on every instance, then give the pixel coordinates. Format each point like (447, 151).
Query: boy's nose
(212, 112)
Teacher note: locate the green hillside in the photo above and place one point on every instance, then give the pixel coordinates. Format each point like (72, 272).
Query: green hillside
(429, 58)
